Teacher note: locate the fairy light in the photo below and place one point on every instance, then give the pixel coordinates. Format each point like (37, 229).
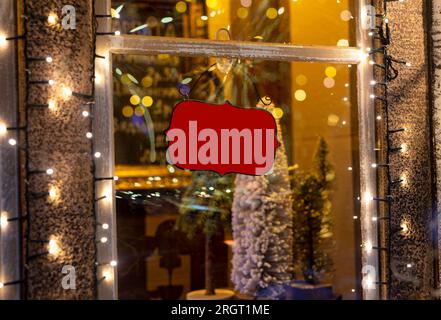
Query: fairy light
(97, 155)
(105, 226)
(53, 193)
(53, 247)
(85, 113)
(89, 135)
(3, 40)
(52, 18)
(103, 240)
(12, 142)
(3, 129)
(113, 263)
(50, 171)
(52, 104)
(67, 92)
(3, 220)
(49, 59)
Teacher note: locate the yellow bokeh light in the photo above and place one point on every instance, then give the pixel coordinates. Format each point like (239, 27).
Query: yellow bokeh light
(139, 111)
(271, 13)
(300, 95)
(181, 7)
(135, 99)
(147, 82)
(278, 113)
(301, 80)
(147, 101)
(242, 13)
(212, 4)
(331, 72)
(125, 79)
(127, 111)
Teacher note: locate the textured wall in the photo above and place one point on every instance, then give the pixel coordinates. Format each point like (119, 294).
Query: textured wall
(410, 109)
(436, 87)
(57, 139)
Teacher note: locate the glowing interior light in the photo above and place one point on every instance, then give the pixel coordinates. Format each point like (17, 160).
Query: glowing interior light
(89, 135)
(50, 171)
(374, 165)
(105, 226)
(97, 154)
(1, 285)
(51, 82)
(409, 265)
(403, 147)
(52, 18)
(408, 64)
(373, 83)
(113, 263)
(49, 59)
(12, 142)
(85, 113)
(116, 178)
(117, 33)
(103, 240)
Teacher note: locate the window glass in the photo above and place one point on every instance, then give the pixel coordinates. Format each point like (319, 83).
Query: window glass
(304, 22)
(161, 250)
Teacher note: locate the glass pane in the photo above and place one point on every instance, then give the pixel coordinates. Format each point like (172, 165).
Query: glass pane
(305, 22)
(164, 214)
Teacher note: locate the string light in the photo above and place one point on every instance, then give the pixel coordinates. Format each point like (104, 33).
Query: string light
(52, 19)
(103, 240)
(53, 247)
(12, 142)
(113, 263)
(3, 220)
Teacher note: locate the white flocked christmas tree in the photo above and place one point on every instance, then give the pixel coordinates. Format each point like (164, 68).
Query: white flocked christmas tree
(262, 231)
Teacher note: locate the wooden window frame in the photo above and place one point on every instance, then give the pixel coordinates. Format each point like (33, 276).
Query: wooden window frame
(145, 45)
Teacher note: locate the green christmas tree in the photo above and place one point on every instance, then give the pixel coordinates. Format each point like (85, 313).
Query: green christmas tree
(206, 208)
(312, 221)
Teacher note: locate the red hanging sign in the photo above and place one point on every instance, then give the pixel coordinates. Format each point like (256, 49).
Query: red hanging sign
(221, 138)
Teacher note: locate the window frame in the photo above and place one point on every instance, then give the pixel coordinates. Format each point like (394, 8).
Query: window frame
(135, 44)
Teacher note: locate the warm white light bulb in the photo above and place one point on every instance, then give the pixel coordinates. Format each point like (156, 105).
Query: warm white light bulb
(52, 18)
(12, 142)
(85, 113)
(113, 263)
(103, 240)
(89, 135)
(117, 33)
(51, 104)
(3, 128)
(67, 92)
(97, 154)
(3, 220)
(49, 59)
(53, 247)
(3, 40)
(51, 82)
(50, 171)
(116, 178)
(105, 226)
(1, 285)
(373, 83)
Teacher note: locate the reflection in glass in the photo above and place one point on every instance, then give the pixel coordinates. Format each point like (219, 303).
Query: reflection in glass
(174, 225)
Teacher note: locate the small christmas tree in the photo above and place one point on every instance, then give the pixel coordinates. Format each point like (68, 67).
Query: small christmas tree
(206, 207)
(312, 221)
(262, 231)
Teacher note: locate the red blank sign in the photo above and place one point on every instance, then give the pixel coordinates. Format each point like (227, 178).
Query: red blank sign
(222, 138)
